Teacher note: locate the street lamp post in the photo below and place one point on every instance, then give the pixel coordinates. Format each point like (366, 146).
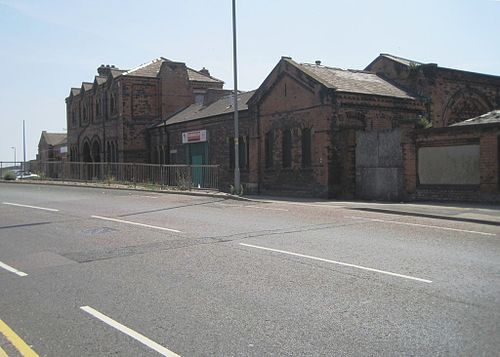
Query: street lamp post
(14, 148)
(235, 106)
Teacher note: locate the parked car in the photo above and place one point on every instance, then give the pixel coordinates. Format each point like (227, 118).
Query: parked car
(21, 175)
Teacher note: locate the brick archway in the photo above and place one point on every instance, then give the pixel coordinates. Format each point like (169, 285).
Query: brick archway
(465, 104)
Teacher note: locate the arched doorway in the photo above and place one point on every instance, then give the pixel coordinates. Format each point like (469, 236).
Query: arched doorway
(86, 152)
(96, 151)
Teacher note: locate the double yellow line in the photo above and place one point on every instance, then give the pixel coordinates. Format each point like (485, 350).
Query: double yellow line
(16, 341)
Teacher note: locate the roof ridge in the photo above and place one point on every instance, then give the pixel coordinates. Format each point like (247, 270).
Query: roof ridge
(158, 59)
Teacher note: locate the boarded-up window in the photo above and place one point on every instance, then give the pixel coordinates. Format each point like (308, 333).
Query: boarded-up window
(449, 165)
(287, 148)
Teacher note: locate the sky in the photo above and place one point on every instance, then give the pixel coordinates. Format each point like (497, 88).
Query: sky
(49, 46)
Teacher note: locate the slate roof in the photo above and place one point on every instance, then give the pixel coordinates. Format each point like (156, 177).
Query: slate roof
(353, 81)
(100, 79)
(87, 86)
(75, 91)
(54, 138)
(222, 106)
(401, 60)
(492, 117)
(196, 76)
(152, 69)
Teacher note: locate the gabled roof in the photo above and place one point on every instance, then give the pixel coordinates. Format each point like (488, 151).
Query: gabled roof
(221, 106)
(405, 61)
(492, 117)
(100, 79)
(197, 76)
(352, 81)
(54, 138)
(150, 69)
(75, 91)
(87, 85)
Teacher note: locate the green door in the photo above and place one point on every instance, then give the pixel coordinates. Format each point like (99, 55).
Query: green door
(197, 171)
(198, 156)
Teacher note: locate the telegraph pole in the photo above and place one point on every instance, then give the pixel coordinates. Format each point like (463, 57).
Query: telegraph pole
(24, 144)
(237, 184)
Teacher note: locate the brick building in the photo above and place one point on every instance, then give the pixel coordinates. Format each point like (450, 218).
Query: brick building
(203, 134)
(308, 129)
(107, 119)
(52, 147)
(308, 118)
(452, 95)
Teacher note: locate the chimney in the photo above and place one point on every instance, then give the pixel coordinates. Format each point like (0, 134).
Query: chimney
(205, 71)
(318, 63)
(105, 70)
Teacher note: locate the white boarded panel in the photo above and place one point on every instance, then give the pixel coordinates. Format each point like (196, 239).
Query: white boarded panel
(449, 165)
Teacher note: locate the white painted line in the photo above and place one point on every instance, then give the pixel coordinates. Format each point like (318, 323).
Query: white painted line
(421, 225)
(129, 332)
(136, 224)
(267, 208)
(145, 196)
(12, 270)
(338, 263)
(27, 206)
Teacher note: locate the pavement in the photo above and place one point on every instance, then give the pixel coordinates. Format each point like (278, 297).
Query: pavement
(485, 213)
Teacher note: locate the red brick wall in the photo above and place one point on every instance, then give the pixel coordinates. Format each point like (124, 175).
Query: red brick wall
(488, 138)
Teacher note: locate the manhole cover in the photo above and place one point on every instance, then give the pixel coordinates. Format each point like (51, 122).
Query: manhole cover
(98, 230)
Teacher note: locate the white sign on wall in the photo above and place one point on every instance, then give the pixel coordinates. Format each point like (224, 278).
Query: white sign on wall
(63, 149)
(197, 136)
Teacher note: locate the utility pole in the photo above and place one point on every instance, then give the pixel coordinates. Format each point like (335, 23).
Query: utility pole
(24, 143)
(237, 184)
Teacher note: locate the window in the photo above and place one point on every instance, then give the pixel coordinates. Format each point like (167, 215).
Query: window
(287, 148)
(112, 104)
(306, 147)
(243, 147)
(269, 142)
(73, 118)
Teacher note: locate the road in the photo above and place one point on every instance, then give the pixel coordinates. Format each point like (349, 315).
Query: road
(95, 272)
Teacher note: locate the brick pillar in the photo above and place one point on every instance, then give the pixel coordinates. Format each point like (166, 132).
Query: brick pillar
(488, 162)
(409, 159)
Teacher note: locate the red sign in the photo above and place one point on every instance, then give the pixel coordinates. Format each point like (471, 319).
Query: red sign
(197, 136)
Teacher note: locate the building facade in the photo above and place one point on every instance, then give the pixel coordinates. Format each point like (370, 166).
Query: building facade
(52, 147)
(107, 119)
(308, 130)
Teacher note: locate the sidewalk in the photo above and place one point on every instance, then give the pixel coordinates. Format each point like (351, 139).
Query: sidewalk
(454, 211)
(464, 212)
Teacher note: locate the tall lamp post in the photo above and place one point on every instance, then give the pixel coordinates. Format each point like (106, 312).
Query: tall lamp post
(14, 148)
(235, 106)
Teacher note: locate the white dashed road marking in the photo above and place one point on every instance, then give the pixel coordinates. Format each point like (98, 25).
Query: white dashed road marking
(12, 270)
(136, 224)
(34, 207)
(338, 263)
(421, 225)
(129, 332)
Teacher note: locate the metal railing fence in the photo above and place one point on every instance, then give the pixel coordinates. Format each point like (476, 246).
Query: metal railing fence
(180, 176)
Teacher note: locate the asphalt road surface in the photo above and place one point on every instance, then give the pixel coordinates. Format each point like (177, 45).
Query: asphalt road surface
(94, 272)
